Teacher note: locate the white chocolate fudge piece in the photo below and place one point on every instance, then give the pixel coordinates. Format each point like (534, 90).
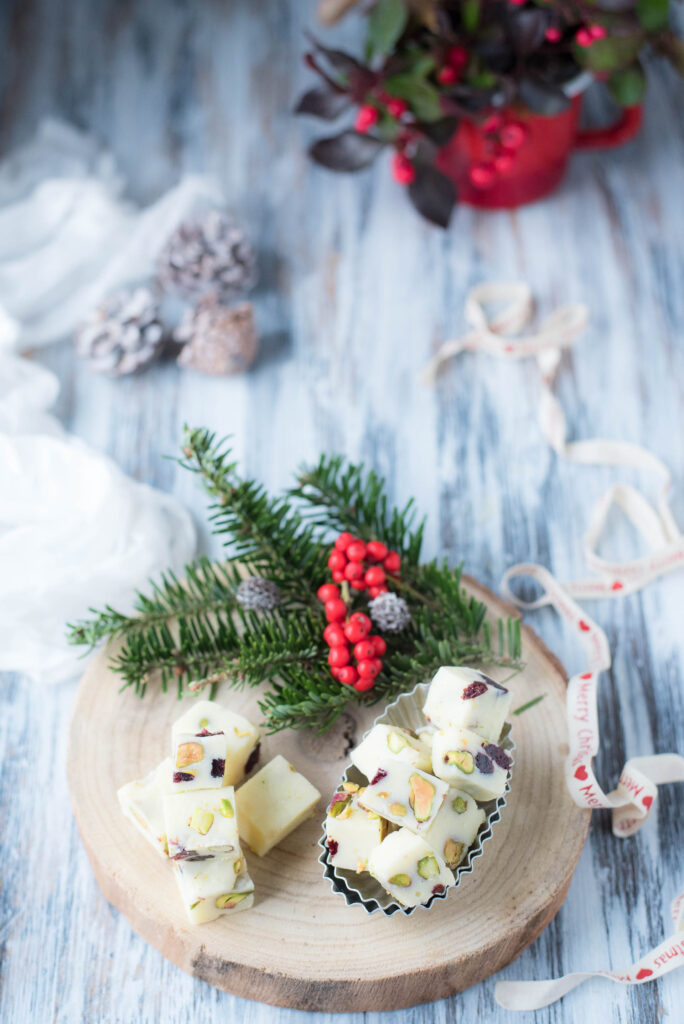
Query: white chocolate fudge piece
(202, 822)
(387, 743)
(455, 827)
(273, 803)
(213, 887)
(242, 738)
(467, 699)
(463, 759)
(352, 831)
(143, 804)
(199, 760)
(404, 795)
(409, 869)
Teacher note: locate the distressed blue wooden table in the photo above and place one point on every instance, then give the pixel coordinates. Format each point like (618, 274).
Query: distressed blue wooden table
(356, 293)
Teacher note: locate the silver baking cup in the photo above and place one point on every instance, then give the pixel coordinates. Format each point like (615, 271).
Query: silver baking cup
(362, 889)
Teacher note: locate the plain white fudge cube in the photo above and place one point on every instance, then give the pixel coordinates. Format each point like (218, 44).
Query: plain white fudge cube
(404, 795)
(408, 868)
(454, 829)
(203, 821)
(464, 760)
(199, 760)
(143, 804)
(273, 803)
(467, 699)
(213, 888)
(386, 743)
(242, 738)
(352, 831)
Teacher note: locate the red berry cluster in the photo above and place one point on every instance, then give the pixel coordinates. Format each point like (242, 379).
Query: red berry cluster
(590, 34)
(349, 636)
(502, 140)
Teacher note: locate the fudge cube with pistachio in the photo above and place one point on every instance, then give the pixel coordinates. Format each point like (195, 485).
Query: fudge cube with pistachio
(404, 795)
(464, 760)
(241, 737)
(273, 803)
(455, 827)
(387, 743)
(408, 868)
(467, 699)
(199, 760)
(214, 887)
(352, 831)
(203, 822)
(143, 804)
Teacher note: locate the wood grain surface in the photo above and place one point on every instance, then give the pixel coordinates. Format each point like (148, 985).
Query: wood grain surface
(356, 293)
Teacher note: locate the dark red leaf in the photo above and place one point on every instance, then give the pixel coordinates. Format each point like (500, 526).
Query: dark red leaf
(350, 151)
(323, 101)
(527, 27)
(433, 194)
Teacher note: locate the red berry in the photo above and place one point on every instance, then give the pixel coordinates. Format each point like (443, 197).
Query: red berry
(364, 683)
(343, 541)
(347, 675)
(457, 57)
(376, 550)
(334, 635)
(492, 123)
(377, 591)
(339, 655)
(553, 35)
(597, 32)
(362, 619)
(375, 576)
(393, 562)
(353, 571)
(447, 75)
(369, 667)
(504, 161)
(335, 672)
(355, 632)
(403, 171)
(356, 552)
(328, 592)
(396, 107)
(335, 610)
(513, 135)
(584, 37)
(366, 118)
(364, 649)
(338, 575)
(358, 584)
(379, 645)
(336, 560)
(482, 175)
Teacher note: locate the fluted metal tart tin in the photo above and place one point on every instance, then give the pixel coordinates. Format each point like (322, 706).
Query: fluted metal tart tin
(361, 889)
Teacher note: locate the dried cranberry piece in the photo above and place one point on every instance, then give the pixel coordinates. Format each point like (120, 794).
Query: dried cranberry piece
(380, 774)
(190, 855)
(498, 754)
(437, 888)
(337, 798)
(218, 767)
(474, 690)
(253, 758)
(332, 846)
(483, 764)
(182, 777)
(205, 732)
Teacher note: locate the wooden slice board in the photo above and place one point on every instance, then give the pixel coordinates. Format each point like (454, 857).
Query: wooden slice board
(301, 946)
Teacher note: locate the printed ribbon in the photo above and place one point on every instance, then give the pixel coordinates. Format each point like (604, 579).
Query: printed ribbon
(636, 792)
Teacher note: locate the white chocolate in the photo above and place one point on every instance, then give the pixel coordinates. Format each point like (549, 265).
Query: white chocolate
(455, 827)
(467, 699)
(352, 831)
(199, 760)
(273, 803)
(143, 804)
(463, 759)
(241, 736)
(388, 743)
(212, 888)
(408, 868)
(203, 822)
(404, 795)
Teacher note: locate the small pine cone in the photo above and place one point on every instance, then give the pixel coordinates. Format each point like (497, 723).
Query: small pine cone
(390, 613)
(258, 595)
(216, 339)
(123, 334)
(209, 254)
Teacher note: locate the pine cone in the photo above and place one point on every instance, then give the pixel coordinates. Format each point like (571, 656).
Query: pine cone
(216, 339)
(390, 612)
(258, 595)
(211, 254)
(123, 334)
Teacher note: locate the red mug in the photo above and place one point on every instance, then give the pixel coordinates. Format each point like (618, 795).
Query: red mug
(539, 163)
